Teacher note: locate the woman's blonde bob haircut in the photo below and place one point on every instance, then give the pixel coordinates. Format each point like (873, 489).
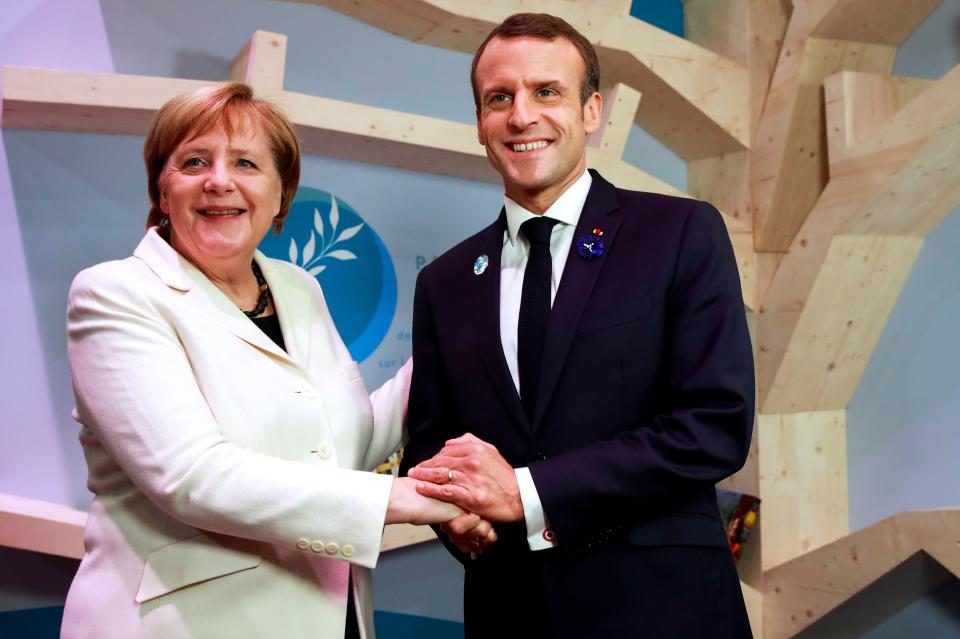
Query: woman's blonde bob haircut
(233, 106)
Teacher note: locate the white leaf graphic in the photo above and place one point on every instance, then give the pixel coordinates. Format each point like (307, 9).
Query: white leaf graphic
(342, 255)
(318, 222)
(334, 215)
(350, 232)
(317, 270)
(308, 249)
(293, 251)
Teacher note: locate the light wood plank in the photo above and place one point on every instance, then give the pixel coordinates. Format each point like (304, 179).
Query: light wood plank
(748, 32)
(789, 161)
(874, 21)
(261, 63)
(697, 101)
(619, 109)
(853, 295)
(40, 526)
(723, 181)
(919, 196)
(863, 175)
(857, 104)
(753, 599)
(85, 102)
(802, 591)
(803, 482)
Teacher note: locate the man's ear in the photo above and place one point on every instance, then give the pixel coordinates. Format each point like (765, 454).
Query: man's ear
(479, 130)
(592, 111)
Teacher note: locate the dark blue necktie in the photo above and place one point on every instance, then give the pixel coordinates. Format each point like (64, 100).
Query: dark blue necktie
(534, 309)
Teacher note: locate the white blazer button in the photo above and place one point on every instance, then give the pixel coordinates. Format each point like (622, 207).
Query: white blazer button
(307, 391)
(333, 548)
(347, 550)
(317, 546)
(303, 543)
(324, 451)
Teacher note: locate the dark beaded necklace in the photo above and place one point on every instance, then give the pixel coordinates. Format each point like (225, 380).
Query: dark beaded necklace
(264, 298)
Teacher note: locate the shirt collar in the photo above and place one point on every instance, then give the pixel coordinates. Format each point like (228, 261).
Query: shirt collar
(566, 209)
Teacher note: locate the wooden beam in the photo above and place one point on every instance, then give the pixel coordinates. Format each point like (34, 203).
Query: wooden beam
(261, 63)
(85, 102)
(921, 194)
(887, 22)
(748, 32)
(697, 102)
(380, 136)
(109, 103)
(789, 159)
(753, 600)
(854, 294)
(723, 181)
(861, 181)
(789, 155)
(857, 104)
(40, 526)
(803, 482)
(801, 591)
(619, 109)
(858, 283)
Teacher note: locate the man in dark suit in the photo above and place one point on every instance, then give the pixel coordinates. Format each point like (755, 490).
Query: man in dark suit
(582, 376)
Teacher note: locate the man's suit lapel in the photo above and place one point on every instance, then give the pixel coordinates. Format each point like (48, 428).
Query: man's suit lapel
(484, 291)
(576, 285)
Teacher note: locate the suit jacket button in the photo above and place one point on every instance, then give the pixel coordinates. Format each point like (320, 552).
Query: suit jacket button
(303, 543)
(323, 451)
(317, 546)
(333, 548)
(538, 457)
(347, 550)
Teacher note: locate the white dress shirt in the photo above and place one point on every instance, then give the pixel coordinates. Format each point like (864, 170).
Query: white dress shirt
(513, 262)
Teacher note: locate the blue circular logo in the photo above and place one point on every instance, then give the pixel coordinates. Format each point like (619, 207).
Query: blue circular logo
(330, 240)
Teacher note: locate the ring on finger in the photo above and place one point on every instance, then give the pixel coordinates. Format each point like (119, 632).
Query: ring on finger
(449, 476)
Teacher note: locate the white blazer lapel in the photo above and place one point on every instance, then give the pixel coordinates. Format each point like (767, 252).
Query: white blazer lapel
(178, 273)
(293, 305)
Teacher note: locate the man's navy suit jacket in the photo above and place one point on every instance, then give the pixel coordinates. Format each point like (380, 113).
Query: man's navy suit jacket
(646, 397)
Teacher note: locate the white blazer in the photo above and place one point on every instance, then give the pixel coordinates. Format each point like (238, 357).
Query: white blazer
(230, 497)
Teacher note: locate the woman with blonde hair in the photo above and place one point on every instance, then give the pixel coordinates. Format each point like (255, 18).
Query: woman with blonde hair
(226, 428)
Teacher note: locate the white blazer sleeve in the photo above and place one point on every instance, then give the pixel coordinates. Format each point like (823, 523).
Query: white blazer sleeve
(137, 393)
(389, 416)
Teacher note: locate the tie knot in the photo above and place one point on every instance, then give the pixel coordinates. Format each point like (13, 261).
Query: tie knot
(537, 230)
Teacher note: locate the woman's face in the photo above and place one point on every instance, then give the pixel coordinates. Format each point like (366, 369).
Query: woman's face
(221, 194)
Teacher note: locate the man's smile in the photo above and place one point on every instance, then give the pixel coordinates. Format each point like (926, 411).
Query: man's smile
(524, 147)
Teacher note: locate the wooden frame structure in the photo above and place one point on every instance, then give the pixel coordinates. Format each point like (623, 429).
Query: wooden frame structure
(829, 171)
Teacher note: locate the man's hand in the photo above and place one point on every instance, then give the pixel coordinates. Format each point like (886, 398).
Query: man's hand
(470, 533)
(472, 474)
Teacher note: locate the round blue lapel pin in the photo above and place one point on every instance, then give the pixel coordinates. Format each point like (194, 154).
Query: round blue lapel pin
(481, 265)
(591, 246)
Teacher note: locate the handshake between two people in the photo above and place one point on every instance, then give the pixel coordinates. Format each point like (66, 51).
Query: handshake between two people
(466, 487)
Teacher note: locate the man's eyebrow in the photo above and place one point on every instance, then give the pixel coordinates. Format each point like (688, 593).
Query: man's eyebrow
(497, 88)
(530, 83)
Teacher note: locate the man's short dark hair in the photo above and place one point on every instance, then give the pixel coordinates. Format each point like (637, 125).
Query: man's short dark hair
(544, 27)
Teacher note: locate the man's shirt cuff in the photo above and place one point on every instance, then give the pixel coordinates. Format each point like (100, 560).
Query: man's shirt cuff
(539, 534)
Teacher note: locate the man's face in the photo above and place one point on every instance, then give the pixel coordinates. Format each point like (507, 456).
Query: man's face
(530, 117)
